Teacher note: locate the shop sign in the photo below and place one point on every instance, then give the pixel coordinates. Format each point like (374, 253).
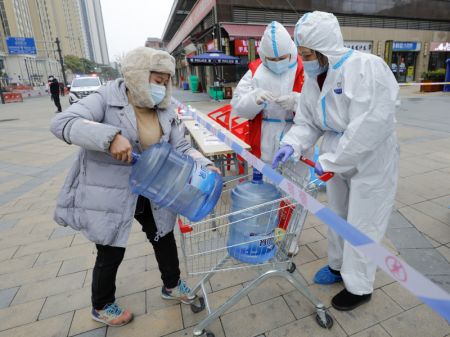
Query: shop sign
(21, 45)
(241, 47)
(362, 46)
(406, 46)
(196, 15)
(440, 46)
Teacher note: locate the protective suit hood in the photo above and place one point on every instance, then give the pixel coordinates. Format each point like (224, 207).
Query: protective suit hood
(320, 31)
(136, 68)
(277, 42)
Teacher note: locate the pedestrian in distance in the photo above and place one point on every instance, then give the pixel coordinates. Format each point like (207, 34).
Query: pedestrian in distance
(128, 114)
(54, 92)
(348, 99)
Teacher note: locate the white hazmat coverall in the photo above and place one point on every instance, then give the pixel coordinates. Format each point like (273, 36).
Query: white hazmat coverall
(355, 114)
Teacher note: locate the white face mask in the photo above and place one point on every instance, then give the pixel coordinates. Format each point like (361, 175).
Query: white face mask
(278, 67)
(313, 68)
(157, 92)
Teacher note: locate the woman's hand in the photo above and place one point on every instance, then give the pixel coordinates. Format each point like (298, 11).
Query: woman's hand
(120, 148)
(214, 169)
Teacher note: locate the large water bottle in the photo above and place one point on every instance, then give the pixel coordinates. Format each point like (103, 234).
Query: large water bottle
(251, 233)
(175, 181)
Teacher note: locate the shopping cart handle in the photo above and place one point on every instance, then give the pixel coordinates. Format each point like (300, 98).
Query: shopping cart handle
(324, 177)
(184, 228)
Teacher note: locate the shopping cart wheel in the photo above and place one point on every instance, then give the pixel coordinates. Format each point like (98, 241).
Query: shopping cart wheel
(291, 268)
(198, 305)
(207, 333)
(326, 325)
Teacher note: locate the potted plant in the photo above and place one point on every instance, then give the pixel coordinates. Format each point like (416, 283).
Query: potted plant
(433, 76)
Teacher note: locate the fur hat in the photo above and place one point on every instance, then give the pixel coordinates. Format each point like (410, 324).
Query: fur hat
(136, 68)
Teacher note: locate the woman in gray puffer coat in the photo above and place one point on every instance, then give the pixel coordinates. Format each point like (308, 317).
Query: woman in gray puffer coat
(126, 115)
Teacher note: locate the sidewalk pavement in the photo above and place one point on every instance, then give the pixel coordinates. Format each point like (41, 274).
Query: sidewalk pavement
(46, 270)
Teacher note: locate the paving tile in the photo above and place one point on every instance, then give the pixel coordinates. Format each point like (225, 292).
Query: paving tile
(304, 255)
(83, 323)
(21, 263)
(257, 319)
(308, 270)
(299, 304)
(50, 287)
(214, 327)
(53, 327)
(155, 324)
(310, 235)
(426, 261)
(445, 252)
(21, 314)
(7, 253)
(434, 210)
(7, 224)
(433, 228)
(6, 296)
(375, 331)
(137, 282)
(155, 301)
(306, 327)
(63, 231)
(101, 332)
(65, 302)
(382, 279)
(141, 249)
(79, 239)
(407, 238)
(401, 296)
(269, 289)
(319, 248)
(28, 276)
(66, 253)
(397, 220)
(225, 280)
(216, 299)
(417, 322)
(77, 264)
(380, 308)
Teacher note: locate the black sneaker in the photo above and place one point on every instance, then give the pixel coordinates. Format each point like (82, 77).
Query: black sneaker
(345, 301)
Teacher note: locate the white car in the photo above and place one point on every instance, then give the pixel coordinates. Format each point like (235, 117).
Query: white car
(82, 86)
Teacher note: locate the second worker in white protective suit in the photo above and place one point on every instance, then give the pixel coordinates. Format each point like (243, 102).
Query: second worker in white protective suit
(349, 99)
(268, 95)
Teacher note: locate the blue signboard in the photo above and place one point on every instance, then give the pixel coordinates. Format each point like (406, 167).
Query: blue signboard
(21, 45)
(406, 46)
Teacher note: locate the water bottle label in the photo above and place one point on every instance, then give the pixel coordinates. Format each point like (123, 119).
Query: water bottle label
(202, 179)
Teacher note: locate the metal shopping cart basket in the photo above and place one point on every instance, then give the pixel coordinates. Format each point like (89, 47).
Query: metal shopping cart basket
(206, 249)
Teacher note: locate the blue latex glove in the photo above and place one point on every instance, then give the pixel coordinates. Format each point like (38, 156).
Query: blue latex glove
(318, 170)
(282, 155)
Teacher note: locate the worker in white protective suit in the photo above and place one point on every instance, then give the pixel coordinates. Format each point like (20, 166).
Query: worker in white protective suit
(349, 99)
(268, 95)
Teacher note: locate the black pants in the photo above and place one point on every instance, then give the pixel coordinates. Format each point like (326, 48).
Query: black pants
(55, 99)
(109, 259)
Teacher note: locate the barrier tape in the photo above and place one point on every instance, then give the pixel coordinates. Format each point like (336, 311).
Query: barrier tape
(420, 84)
(429, 293)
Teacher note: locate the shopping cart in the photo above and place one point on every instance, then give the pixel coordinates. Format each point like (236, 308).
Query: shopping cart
(207, 250)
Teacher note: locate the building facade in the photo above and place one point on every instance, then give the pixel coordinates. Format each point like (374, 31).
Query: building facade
(412, 36)
(94, 31)
(29, 28)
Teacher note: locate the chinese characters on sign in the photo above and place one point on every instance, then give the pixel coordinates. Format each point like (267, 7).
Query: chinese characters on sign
(440, 46)
(21, 45)
(362, 46)
(241, 47)
(406, 46)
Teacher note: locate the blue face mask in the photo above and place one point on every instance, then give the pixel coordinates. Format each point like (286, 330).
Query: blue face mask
(313, 68)
(278, 67)
(157, 92)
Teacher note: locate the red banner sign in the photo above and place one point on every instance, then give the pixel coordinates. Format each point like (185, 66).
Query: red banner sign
(241, 47)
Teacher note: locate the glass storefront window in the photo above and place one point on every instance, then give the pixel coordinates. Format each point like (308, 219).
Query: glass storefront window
(437, 60)
(403, 65)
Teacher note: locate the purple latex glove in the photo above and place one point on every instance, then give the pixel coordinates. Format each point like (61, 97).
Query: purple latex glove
(282, 155)
(318, 170)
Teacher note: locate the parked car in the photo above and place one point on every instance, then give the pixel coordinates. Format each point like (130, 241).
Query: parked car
(83, 86)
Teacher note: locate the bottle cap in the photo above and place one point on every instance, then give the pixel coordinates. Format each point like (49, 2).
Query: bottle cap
(257, 177)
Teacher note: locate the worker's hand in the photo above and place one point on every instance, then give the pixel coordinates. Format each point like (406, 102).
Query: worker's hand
(288, 102)
(214, 169)
(120, 148)
(263, 96)
(282, 155)
(318, 170)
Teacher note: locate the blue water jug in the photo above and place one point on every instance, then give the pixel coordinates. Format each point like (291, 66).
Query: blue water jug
(175, 181)
(251, 233)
